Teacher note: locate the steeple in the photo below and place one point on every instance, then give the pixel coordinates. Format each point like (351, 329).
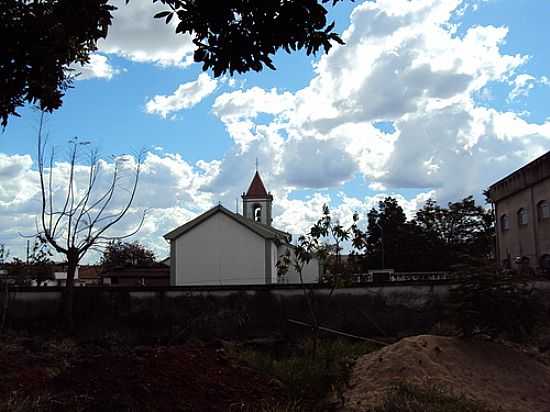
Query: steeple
(257, 201)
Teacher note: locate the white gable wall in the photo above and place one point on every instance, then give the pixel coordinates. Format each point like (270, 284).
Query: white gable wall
(310, 272)
(219, 251)
(274, 258)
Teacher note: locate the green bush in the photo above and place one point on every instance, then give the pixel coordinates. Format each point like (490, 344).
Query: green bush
(306, 376)
(496, 303)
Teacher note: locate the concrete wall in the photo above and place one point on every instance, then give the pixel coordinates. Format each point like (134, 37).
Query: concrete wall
(164, 314)
(219, 251)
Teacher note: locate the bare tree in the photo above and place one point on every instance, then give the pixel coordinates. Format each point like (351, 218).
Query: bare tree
(82, 217)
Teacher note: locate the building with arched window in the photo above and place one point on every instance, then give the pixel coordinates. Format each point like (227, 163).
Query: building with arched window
(522, 205)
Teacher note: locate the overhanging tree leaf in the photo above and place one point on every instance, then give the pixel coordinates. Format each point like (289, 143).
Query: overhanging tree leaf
(40, 39)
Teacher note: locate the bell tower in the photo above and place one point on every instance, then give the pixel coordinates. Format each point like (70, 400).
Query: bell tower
(257, 202)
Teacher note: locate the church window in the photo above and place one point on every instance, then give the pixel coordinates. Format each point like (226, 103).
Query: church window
(544, 209)
(523, 216)
(504, 223)
(257, 213)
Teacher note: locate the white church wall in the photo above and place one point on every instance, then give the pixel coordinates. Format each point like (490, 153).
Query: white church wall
(310, 272)
(220, 251)
(274, 258)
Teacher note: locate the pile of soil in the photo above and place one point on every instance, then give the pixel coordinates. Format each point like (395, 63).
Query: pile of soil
(169, 378)
(492, 374)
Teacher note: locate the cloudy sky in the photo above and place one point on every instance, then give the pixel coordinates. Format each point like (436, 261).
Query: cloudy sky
(428, 98)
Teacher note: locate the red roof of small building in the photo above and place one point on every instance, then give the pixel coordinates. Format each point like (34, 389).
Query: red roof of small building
(257, 189)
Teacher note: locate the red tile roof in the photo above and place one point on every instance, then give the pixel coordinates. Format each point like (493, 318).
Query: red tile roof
(257, 189)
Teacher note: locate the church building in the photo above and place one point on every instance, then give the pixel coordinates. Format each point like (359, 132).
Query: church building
(221, 247)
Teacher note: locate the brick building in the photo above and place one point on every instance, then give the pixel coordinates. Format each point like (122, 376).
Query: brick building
(522, 210)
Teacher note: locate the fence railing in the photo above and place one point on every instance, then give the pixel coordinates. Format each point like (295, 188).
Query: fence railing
(381, 276)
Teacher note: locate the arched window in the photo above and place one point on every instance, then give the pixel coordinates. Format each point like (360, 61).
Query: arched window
(523, 216)
(544, 209)
(504, 223)
(257, 213)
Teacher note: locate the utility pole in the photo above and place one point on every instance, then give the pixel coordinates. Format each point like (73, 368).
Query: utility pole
(28, 250)
(381, 242)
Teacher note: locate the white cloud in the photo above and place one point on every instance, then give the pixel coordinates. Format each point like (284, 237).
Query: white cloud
(330, 165)
(139, 37)
(97, 68)
(185, 96)
(297, 216)
(522, 84)
(169, 189)
(247, 104)
(377, 186)
(238, 110)
(405, 63)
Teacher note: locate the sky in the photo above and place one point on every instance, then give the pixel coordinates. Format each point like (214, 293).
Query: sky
(426, 99)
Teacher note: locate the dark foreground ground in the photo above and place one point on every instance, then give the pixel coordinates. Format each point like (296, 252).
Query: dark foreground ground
(59, 375)
(416, 374)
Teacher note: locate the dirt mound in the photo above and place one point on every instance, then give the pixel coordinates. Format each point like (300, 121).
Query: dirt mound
(493, 374)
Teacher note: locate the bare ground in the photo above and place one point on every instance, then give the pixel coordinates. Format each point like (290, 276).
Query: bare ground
(65, 376)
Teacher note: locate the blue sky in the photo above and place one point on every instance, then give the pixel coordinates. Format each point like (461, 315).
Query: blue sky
(428, 98)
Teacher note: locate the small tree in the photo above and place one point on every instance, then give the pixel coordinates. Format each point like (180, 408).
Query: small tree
(4, 286)
(83, 220)
(334, 235)
(118, 254)
(325, 241)
(307, 248)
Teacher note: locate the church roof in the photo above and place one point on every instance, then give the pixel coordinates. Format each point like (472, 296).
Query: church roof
(257, 189)
(267, 232)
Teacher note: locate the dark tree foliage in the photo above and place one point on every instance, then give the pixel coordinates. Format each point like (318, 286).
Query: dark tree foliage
(242, 35)
(39, 39)
(388, 241)
(461, 233)
(438, 238)
(38, 266)
(120, 254)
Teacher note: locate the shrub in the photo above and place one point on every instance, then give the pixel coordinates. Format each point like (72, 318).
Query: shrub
(496, 303)
(307, 377)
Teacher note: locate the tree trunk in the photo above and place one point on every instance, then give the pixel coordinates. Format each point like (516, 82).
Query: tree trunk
(5, 305)
(72, 262)
(308, 297)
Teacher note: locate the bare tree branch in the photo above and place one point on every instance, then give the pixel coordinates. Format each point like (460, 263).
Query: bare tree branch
(82, 224)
